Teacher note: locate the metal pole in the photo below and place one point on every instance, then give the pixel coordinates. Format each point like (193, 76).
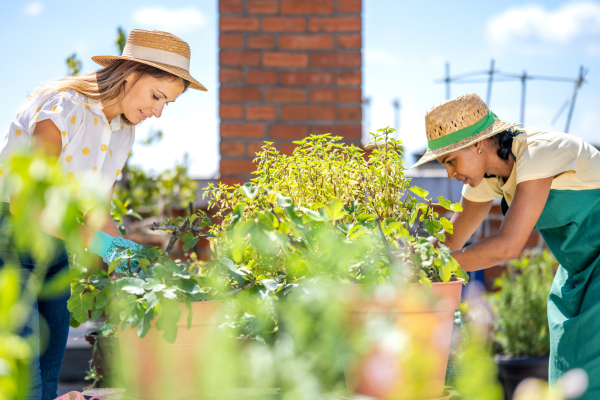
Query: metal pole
(523, 86)
(490, 80)
(396, 105)
(447, 81)
(577, 84)
(367, 118)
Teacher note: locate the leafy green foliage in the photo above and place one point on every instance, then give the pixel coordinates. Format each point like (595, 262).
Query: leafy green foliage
(520, 305)
(324, 192)
(14, 350)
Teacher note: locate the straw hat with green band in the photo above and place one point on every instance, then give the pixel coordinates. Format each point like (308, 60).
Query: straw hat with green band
(457, 123)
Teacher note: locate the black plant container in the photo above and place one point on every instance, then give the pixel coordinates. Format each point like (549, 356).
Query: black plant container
(513, 370)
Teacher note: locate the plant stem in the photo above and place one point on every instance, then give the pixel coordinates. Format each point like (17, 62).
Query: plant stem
(239, 289)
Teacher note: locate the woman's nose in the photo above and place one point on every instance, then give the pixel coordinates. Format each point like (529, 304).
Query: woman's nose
(157, 111)
(451, 174)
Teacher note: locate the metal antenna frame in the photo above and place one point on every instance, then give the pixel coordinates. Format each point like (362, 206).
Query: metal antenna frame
(478, 77)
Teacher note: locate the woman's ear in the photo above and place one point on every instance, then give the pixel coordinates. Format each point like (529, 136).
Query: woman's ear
(132, 77)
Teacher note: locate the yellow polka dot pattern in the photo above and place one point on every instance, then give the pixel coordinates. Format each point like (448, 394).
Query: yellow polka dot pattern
(118, 172)
(37, 110)
(85, 151)
(94, 170)
(73, 119)
(68, 158)
(95, 121)
(70, 175)
(54, 108)
(37, 116)
(64, 133)
(128, 153)
(18, 132)
(103, 147)
(110, 152)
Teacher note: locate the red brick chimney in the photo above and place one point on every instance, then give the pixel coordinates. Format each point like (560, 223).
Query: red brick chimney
(288, 69)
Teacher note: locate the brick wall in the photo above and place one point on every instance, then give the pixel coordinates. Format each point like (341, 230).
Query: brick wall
(288, 68)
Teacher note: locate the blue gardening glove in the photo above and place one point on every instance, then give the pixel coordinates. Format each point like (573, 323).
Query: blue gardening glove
(106, 247)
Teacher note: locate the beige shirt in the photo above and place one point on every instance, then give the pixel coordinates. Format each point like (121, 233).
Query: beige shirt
(540, 154)
(93, 149)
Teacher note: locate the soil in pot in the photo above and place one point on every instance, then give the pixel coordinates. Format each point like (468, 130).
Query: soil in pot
(154, 369)
(513, 370)
(413, 364)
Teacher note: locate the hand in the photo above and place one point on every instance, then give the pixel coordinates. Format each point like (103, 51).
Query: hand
(118, 246)
(109, 248)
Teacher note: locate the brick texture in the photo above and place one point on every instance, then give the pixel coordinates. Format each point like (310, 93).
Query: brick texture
(288, 69)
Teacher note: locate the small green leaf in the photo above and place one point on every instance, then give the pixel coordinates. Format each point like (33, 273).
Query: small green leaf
(315, 216)
(113, 264)
(228, 263)
(249, 190)
(145, 323)
(79, 305)
(96, 313)
(335, 211)
(419, 192)
(190, 316)
(447, 225)
(424, 279)
(284, 202)
(161, 273)
(151, 300)
(131, 285)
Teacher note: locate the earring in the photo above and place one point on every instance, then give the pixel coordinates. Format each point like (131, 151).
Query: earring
(479, 151)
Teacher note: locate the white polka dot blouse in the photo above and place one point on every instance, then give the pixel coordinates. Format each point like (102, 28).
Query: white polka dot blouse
(92, 148)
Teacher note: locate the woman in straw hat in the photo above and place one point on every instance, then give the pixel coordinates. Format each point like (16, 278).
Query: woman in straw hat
(548, 181)
(86, 123)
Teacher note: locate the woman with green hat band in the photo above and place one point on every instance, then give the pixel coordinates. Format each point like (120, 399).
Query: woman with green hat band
(548, 181)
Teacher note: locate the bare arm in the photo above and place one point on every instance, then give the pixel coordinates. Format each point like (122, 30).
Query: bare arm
(109, 226)
(46, 139)
(465, 223)
(507, 244)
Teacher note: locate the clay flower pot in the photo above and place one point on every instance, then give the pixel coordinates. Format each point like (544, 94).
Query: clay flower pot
(412, 364)
(154, 369)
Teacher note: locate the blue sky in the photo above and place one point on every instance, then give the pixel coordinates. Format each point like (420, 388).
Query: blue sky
(406, 44)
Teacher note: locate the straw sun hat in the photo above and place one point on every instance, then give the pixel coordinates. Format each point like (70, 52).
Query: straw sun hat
(158, 49)
(458, 123)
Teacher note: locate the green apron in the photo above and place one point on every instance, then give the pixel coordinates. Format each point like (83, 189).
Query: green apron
(570, 225)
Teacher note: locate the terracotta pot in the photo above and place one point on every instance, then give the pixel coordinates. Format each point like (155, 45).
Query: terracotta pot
(154, 369)
(411, 365)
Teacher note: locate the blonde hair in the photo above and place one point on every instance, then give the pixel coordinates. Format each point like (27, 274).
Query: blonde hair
(106, 84)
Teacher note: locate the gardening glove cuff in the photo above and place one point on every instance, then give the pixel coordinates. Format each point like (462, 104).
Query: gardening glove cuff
(106, 247)
(101, 243)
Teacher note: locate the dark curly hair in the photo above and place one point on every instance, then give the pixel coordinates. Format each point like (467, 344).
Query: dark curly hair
(503, 141)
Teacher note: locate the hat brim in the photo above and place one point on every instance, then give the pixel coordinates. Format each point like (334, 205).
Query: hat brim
(105, 61)
(497, 127)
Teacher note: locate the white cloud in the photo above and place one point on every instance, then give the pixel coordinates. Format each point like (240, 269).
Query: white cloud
(536, 28)
(34, 8)
(183, 19)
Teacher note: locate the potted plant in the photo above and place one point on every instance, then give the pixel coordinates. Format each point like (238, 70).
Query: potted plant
(279, 230)
(166, 311)
(521, 334)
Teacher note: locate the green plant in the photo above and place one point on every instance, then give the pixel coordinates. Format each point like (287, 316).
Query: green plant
(156, 288)
(152, 194)
(520, 305)
(327, 188)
